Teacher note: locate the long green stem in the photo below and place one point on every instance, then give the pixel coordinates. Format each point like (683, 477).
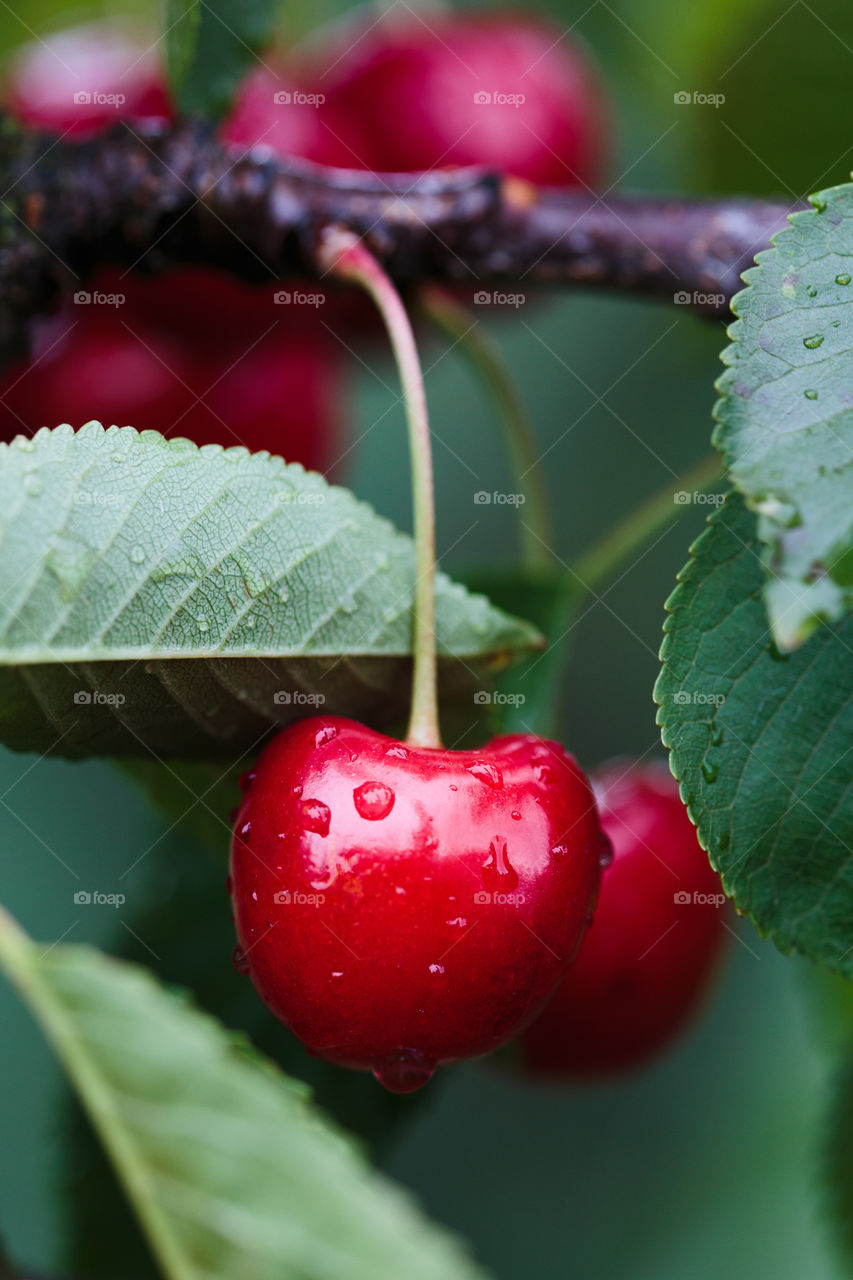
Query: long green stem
(641, 525)
(455, 321)
(341, 253)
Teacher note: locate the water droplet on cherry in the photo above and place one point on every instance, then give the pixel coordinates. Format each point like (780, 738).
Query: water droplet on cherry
(488, 773)
(238, 959)
(405, 1071)
(397, 753)
(316, 817)
(515, 815)
(499, 875)
(373, 800)
(246, 779)
(296, 791)
(324, 735)
(560, 851)
(605, 855)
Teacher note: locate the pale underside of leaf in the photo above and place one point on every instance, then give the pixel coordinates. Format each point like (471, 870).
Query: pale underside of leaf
(232, 1173)
(785, 417)
(158, 595)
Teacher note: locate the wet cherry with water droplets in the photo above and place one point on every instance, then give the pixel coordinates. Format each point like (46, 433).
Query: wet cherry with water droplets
(376, 964)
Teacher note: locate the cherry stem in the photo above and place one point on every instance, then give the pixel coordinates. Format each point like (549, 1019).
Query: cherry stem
(641, 524)
(457, 323)
(344, 255)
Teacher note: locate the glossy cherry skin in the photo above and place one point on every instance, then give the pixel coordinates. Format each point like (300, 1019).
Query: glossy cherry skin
(399, 907)
(656, 939)
(408, 87)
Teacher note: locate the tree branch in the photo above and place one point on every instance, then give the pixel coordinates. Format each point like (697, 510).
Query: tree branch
(156, 197)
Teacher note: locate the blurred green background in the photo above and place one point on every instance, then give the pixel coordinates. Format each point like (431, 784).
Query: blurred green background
(708, 1162)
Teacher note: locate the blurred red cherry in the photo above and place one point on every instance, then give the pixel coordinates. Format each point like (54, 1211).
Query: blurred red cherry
(425, 90)
(189, 351)
(655, 941)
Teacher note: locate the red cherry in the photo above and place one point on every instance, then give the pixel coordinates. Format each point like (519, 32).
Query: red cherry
(84, 78)
(190, 352)
(400, 907)
(413, 90)
(142, 363)
(657, 935)
(272, 110)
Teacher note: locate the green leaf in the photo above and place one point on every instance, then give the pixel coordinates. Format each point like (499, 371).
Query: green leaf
(209, 46)
(180, 43)
(761, 744)
(157, 596)
(233, 1175)
(785, 419)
